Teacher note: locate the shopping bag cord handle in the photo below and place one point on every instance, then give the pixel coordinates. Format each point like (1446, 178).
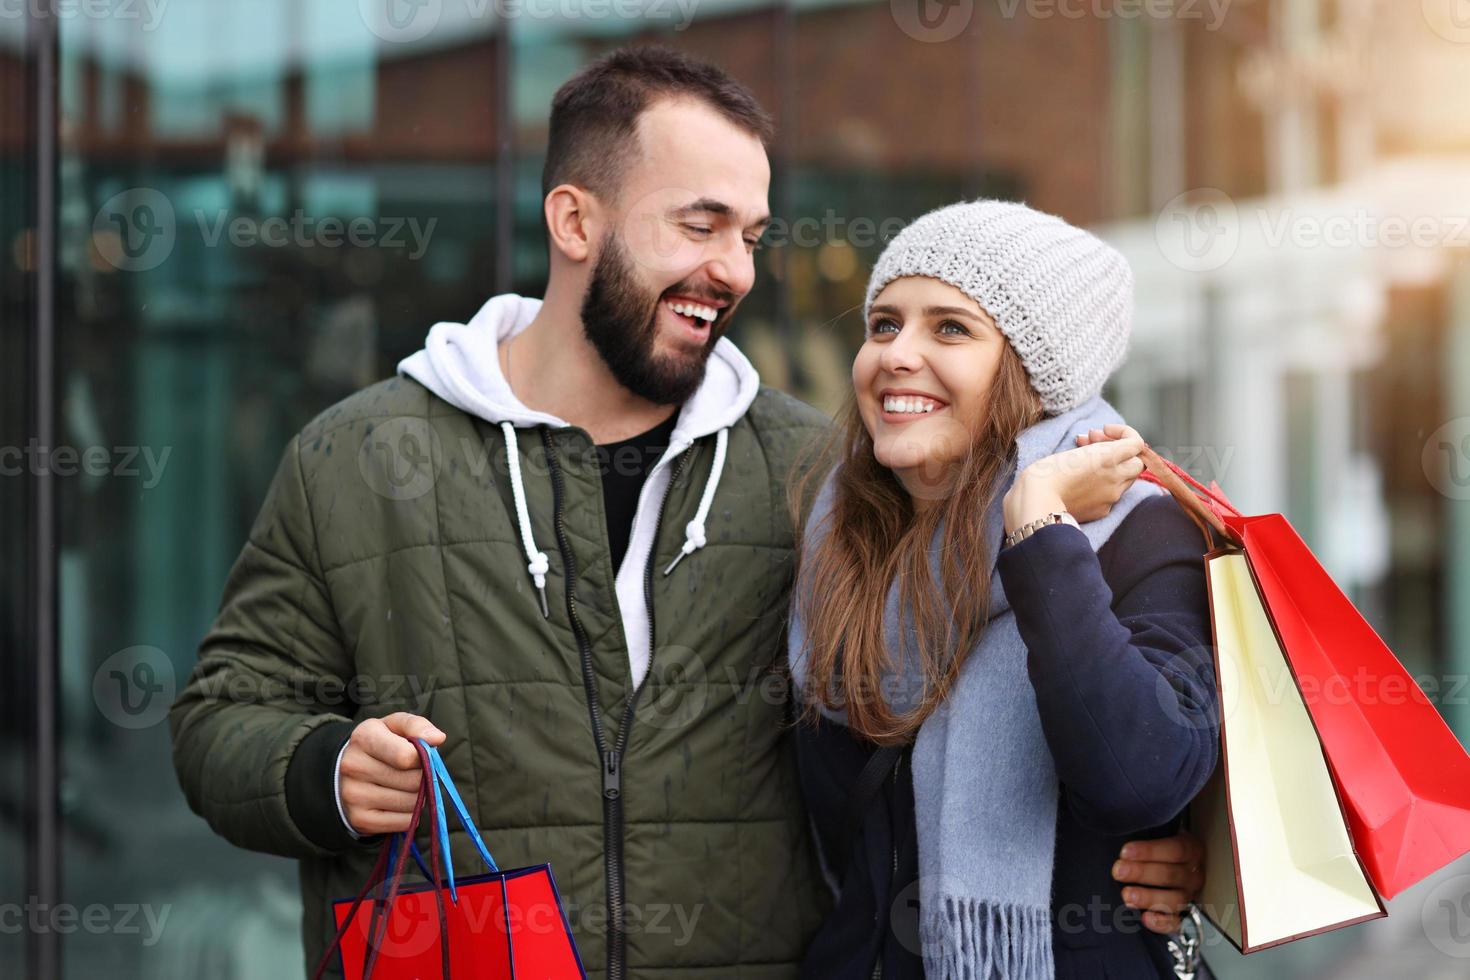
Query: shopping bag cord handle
(389, 869)
(442, 778)
(1174, 479)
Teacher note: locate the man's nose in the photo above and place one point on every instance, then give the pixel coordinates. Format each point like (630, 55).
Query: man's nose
(733, 266)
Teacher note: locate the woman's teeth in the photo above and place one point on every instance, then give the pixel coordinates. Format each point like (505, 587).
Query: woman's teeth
(705, 313)
(916, 406)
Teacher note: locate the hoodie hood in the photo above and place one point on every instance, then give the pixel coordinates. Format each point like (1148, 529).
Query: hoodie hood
(460, 363)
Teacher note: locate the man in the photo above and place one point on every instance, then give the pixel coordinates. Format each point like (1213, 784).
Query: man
(594, 636)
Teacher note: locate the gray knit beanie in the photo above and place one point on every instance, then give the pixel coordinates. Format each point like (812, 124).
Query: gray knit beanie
(1063, 297)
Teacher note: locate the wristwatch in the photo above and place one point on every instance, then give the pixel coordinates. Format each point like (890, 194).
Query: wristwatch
(1026, 530)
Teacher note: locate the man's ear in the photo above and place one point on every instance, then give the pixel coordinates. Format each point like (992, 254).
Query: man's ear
(570, 214)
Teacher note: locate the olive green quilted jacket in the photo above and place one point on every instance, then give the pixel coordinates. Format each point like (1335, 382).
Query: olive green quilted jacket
(388, 571)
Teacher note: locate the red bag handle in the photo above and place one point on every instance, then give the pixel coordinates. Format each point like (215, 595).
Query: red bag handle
(378, 924)
(1208, 513)
(1213, 493)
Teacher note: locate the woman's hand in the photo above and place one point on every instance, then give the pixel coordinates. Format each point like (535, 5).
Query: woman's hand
(1085, 481)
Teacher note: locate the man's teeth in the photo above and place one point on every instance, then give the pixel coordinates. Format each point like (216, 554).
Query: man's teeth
(706, 313)
(911, 404)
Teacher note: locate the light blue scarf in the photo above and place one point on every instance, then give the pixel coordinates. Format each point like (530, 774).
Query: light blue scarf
(985, 785)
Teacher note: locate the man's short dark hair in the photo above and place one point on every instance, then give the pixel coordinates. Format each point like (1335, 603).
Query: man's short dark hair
(594, 116)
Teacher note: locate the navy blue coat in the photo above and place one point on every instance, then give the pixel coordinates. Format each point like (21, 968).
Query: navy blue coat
(1119, 654)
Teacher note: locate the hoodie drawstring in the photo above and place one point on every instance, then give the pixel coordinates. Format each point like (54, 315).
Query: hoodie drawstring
(539, 563)
(694, 538)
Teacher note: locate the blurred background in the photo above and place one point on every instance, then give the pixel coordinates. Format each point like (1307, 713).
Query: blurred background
(217, 217)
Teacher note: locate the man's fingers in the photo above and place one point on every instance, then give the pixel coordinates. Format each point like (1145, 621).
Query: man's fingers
(1158, 873)
(413, 726)
(1183, 848)
(1167, 900)
(371, 822)
(379, 741)
(382, 744)
(358, 764)
(1161, 922)
(357, 794)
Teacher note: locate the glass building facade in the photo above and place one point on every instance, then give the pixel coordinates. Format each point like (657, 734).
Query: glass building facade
(221, 217)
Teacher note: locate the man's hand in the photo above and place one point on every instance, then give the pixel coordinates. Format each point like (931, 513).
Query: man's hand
(380, 774)
(1162, 876)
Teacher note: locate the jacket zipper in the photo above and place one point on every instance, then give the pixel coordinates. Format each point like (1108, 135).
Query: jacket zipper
(612, 759)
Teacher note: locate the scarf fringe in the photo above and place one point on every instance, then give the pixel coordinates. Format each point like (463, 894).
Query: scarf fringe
(975, 939)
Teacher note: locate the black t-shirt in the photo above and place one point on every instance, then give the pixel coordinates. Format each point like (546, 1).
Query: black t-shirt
(625, 466)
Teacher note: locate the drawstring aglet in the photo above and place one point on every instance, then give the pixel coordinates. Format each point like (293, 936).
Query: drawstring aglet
(538, 568)
(693, 540)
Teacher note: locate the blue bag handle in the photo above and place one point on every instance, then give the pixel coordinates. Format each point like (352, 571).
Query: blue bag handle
(413, 851)
(440, 777)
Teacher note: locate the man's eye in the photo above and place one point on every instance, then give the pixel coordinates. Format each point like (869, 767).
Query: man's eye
(753, 245)
(697, 229)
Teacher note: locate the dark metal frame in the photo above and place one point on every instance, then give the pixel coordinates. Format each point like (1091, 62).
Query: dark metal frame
(43, 817)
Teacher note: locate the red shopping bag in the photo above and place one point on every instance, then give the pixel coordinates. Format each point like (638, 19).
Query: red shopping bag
(1403, 776)
(502, 925)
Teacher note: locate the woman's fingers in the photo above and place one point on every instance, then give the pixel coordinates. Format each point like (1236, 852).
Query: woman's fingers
(1110, 432)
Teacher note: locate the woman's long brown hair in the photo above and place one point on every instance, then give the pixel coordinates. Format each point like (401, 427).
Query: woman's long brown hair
(874, 533)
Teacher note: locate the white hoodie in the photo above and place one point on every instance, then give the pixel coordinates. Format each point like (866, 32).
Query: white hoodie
(460, 364)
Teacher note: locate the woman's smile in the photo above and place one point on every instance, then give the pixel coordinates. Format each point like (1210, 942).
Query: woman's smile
(901, 406)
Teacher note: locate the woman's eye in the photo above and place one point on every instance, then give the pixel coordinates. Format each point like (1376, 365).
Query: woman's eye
(953, 329)
(882, 326)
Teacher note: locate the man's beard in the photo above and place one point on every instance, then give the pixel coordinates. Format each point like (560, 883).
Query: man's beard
(621, 320)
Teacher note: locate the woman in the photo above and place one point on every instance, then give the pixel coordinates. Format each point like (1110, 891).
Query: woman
(1039, 694)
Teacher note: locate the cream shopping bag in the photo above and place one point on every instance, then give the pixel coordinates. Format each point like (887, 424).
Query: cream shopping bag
(1280, 864)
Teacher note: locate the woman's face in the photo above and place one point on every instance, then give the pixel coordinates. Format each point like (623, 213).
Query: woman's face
(923, 378)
